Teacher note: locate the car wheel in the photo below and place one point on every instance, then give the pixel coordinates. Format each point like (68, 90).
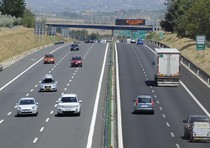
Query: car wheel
(153, 112)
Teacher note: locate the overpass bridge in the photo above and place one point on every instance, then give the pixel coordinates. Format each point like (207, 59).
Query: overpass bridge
(103, 27)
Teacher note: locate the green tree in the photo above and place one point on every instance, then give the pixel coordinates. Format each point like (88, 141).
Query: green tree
(28, 19)
(12, 7)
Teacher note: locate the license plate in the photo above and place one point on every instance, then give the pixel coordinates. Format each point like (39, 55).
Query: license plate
(144, 105)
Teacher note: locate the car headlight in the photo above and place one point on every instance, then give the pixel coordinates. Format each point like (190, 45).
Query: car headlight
(54, 85)
(75, 106)
(19, 108)
(33, 107)
(41, 86)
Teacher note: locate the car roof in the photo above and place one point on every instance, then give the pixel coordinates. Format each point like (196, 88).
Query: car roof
(27, 98)
(144, 96)
(69, 95)
(198, 116)
(49, 55)
(48, 76)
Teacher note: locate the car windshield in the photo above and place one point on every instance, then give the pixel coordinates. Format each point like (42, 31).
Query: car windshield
(68, 99)
(198, 119)
(74, 45)
(48, 81)
(144, 100)
(76, 58)
(48, 56)
(26, 102)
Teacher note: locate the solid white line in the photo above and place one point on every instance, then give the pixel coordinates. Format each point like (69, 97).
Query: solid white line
(195, 99)
(41, 130)
(119, 117)
(1, 121)
(25, 71)
(35, 140)
(95, 109)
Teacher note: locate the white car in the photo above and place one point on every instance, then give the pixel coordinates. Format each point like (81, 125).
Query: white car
(27, 106)
(68, 103)
(48, 83)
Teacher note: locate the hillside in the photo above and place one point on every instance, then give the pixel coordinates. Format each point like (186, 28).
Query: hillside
(15, 41)
(187, 48)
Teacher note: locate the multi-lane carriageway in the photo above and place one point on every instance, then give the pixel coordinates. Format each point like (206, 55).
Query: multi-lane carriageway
(163, 129)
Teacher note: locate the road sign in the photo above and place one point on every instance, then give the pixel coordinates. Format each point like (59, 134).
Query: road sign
(200, 42)
(40, 28)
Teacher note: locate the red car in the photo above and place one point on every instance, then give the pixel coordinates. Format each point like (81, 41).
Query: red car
(49, 58)
(76, 61)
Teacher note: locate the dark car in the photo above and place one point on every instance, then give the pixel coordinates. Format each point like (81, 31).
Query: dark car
(49, 58)
(140, 42)
(74, 47)
(76, 61)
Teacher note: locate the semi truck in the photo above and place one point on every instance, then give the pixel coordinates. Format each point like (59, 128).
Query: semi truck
(167, 66)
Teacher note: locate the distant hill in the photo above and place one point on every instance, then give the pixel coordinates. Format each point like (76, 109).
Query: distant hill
(54, 6)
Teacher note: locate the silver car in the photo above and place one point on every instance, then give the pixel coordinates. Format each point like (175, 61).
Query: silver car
(144, 104)
(69, 103)
(48, 83)
(27, 106)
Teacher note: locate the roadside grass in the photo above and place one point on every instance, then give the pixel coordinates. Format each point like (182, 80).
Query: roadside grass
(187, 47)
(14, 41)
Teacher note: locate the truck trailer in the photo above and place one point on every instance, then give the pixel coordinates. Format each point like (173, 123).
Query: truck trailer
(167, 66)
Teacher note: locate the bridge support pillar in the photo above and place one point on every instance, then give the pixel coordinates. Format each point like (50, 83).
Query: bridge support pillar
(112, 32)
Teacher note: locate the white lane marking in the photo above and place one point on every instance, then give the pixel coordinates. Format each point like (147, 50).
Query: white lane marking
(47, 119)
(195, 99)
(150, 86)
(87, 52)
(65, 89)
(49, 71)
(70, 80)
(1, 121)
(27, 94)
(15, 106)
(35, 85)
(35, 140)
(55, 66)
(95, 109)
(164, 116)
(72, 77)
(177, 145)
(31, 90)
(147, 78)
(153, 91)
(160, 108)
(172, 134)
(158, 102)
(185, 87)
(51, 112)
(76, 70)
(68, 84)
(155, 97)
(168, 125)
(26, 70)
(55, 105)
(41, 130)
(119, 117)
(74, 74)
(52, 69)
(9, 113)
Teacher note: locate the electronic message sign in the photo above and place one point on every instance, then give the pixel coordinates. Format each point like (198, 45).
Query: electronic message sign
(129, 21)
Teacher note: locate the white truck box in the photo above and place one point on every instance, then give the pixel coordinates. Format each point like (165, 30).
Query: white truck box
(200, 131)
(167, 66)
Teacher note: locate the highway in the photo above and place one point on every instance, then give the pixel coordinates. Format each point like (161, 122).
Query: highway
(47, 130)
(164, 129)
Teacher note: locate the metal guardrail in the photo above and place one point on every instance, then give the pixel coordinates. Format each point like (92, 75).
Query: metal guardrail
(186, 62)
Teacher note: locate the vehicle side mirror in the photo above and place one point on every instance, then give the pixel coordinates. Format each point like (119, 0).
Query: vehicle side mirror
(184, 121)
(80, 101)
(56, 82)
(37, 103)
(56, 101)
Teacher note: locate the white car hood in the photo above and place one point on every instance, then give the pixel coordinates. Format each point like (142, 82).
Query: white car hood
(26, 106)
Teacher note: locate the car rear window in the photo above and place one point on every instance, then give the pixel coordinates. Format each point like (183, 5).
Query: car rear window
(144, 100)
(199, 119)
(69, 99)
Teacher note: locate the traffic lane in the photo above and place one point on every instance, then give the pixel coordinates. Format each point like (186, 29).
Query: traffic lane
(167, 123)
(18, 67)
(136, 128)
(172, 101)
(42, 97)
(65, 131)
